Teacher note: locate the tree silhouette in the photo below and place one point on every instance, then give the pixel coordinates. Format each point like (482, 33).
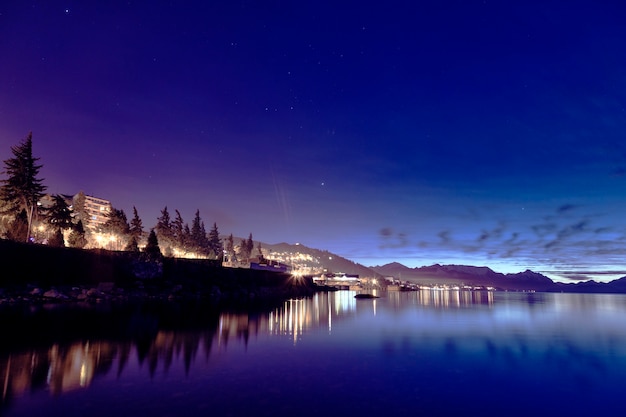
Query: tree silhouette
(152, 249)
(199, 239)
(216, 249)
(163, 230)
(22, 188)
(77, 239)
(136, 228)
(59, 214)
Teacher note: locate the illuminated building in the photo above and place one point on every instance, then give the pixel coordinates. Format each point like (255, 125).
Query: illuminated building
(96, 211)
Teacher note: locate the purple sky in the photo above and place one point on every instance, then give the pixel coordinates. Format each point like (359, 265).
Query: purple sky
(475, 132)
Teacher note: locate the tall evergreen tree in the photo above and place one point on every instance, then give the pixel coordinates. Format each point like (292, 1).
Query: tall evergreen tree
(178, 231)
(230, 247)
(57, 240)
(117, 225)
(117, 222)
(216, 248)
(132, 246)
(249, 245)
(198, 235)
(163, 227)
(17, 227)
(245, 247)
(163, 230)
(186, 241)
(22, 188)
(77, 238)
(135, 228)
(152, 248)
(59, 215)
(80, 212)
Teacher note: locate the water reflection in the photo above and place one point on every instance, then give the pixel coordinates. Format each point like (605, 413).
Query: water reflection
(146, 333)
(438, 298)
(573, 340)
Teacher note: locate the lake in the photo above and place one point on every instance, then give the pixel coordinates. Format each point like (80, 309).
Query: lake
(431, 353)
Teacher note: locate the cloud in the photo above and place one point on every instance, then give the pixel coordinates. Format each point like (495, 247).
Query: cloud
(444, 235)
(542, 230)
(495, 233)
(392, 239)
(566, 208)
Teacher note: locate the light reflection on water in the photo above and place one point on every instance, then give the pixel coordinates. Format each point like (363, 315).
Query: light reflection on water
(436, 352)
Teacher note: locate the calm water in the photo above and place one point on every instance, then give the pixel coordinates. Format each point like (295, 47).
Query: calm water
(430, 353)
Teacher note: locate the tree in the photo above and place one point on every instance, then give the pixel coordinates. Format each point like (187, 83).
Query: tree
(136, 228)
(17, 227)
(116, 222)
(249, 245)
(178, 231)
(57, 240)
(152, 249)
(230, 247)
(216, 249)
(78, 203)
(260, 252)
(186, 243)
(132, 245)
(77, 238)
(164, 232)
(117, 225)
(59, 214)
(163, 227)
(22, 188)
(199, 240)
(246, 247)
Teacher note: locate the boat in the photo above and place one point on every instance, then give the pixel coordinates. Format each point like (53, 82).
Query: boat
(366, 296)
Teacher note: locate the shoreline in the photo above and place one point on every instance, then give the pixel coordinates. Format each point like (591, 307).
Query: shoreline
(42, 274)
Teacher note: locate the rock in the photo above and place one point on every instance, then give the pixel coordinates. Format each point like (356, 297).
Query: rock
(54, 293)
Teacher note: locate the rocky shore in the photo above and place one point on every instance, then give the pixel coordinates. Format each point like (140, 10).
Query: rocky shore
(40, 274)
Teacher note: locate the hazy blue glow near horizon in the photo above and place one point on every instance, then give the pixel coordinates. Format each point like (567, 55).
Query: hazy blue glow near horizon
(482, 133)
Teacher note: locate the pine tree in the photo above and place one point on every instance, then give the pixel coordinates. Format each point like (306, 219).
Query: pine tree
(246, 247)
(230, 247)
(22, 189)
(163, 230)
(17, 227)
(135, 228)
(163, 227)
(78, 203)
(152, 247)
(77, 239)
(59, 215)
(260, 252)
(117, 225)
(132, 245)
(216, 249)
(117, 222)
(199, 241)
(249, 245)
(57, 240)
(187, 243)
(178, 231)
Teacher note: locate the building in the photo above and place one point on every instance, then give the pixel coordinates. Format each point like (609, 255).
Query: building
(96, 211)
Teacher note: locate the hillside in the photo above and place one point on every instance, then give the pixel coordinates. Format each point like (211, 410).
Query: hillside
(309, 261)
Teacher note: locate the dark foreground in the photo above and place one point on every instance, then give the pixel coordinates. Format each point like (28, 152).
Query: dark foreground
(44, 274)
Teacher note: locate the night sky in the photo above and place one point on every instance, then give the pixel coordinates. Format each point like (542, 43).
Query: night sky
(470, 132)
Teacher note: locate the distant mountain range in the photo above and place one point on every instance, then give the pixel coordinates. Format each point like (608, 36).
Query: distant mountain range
(314, 261)
(484, 276)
